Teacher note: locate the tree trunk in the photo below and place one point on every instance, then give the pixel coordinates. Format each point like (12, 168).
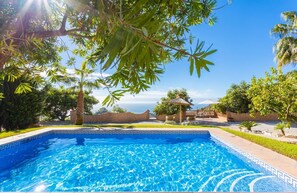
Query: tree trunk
(3, 60)
(80, 108)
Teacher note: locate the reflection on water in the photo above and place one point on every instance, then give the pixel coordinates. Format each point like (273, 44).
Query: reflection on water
(80, 141)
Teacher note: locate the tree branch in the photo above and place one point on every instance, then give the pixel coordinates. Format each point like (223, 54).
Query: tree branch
(63, 26)
(80, 35)
(157, 42)
(55, 33)
(17, 40)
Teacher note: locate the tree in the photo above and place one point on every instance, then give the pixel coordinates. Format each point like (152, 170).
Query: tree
(82, 82)
(134, 38)
(286, 47)
(59, 101)
(235, 100)
(165, 108)
(102, 110)
(118, 109)
(18, 111)
(276, 93)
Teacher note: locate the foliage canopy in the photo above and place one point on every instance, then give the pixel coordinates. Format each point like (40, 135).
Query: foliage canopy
(133, 38)
(286, 47)
(18, 111)
(235, 100)
(102, 110)
(276, 93)
(59, 101)
(118, 109)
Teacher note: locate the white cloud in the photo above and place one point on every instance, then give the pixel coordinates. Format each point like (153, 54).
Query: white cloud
(71, 72)
(197, 96)
(147, 97)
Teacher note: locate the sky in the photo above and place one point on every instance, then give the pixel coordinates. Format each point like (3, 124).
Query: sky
(245, 49)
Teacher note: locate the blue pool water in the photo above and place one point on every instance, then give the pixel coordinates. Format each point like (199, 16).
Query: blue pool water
(64, 162)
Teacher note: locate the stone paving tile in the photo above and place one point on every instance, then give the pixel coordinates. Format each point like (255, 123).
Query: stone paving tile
(268, 156)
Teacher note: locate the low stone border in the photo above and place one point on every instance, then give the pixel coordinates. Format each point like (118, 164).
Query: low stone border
(281, 175)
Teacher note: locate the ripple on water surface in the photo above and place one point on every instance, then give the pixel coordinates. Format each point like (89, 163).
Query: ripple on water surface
(144, 163)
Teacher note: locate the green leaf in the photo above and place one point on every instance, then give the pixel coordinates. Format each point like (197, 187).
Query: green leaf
(208, 53)
(136, 8)
(144, 30)
(212, 20)
(145, 18)
(206, 68)
(191, 65)
(191, 38)
(106, 101)
(23, 88)
(198, 67)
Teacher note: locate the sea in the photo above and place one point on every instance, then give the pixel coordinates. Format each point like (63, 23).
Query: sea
(142, 107)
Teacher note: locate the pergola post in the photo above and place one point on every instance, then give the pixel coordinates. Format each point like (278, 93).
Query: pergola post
(180, 114)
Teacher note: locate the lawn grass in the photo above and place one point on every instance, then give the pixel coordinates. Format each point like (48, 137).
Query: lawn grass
(4, 134)
(287, 149)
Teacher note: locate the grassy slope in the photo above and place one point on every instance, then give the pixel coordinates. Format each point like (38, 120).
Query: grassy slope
(284, 148)
(17, 132)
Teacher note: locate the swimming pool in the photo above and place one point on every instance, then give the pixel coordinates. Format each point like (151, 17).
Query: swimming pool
(131, 162)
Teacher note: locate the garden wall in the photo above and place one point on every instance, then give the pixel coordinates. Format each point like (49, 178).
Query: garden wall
(206, 114)
(222, 116)
(170, 117)
(113, 117)
(238, 117)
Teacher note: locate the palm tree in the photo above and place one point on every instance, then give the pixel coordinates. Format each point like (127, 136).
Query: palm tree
(286, 47)
(82, 82)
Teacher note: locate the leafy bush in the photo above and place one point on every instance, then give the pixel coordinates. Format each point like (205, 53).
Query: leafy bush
(118, 109)
(281, 126)
(248, 125)
(18, 111)
(60, 101)
(275, 93)
(236, 99)
(102, 110)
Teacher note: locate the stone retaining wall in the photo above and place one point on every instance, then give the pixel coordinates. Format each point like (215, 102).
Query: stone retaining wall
(113, 117)
(222, 116)
(170, 117)
(238, 117)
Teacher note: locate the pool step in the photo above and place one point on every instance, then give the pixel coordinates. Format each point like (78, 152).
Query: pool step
(234, 181)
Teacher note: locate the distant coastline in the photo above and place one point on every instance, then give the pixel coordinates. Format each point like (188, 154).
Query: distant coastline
(142, 107)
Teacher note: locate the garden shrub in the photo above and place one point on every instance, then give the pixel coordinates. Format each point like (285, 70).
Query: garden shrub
(18, 111)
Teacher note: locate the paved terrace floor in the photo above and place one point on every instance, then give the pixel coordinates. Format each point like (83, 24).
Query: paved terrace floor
(270, 157)
(267, 128)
